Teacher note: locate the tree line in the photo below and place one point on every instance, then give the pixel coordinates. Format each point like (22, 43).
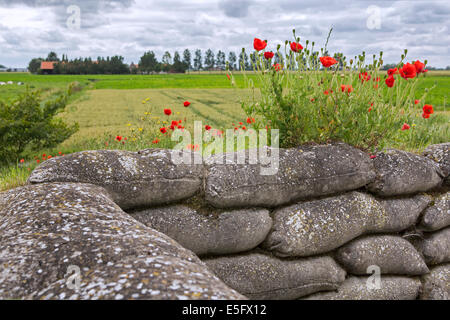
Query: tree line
(148, 63)
(169, 63)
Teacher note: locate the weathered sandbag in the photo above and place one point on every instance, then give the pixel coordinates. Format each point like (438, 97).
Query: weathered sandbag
(436, 284)
(356, 288)
(403, 212)
(392, 254)
(309, 171)
(134, 179)
(438, 215)
(49, 231)
(313, 227)
(230, 232)
(400, 172)
(435, 246)
(440, 153)
(261, 276)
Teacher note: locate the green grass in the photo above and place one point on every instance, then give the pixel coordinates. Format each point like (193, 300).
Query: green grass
(14, 176)
(438, 97)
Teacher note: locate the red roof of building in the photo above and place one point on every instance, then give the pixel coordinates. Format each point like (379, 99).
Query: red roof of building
(47, 65)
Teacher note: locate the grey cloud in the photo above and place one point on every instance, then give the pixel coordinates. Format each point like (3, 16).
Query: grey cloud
(235, 9)
(132, 27)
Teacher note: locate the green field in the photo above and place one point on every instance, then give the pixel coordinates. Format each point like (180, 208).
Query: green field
(439, 96)
(110, 105)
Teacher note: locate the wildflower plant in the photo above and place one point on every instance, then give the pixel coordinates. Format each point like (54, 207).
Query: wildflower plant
(313, 97)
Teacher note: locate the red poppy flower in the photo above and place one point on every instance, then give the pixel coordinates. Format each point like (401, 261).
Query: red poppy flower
(370, 109)
(258, 44)
(372, 156)
(428, 109)
(346, 87)
(168, 112)
(296, 47)
(172, 127)
(268, 55)
(326, 92)
(327, 61)
(37, 161)
(241, 123)
(405, 126)
(207, 127)
(156, 141)
(277, 67)
(59, 152)
(416, 101)
(186, 104)
(228, 76)
(312, 99)
(244, 128)
(44, 155)
(364, 76)
(22, 160)
(119, 138)
(376, 79)
(163, 130)
(390, 81)
(425, 115)
(419, 66)
(408, 71)
(174, 123)
(49, 157)
(392, 71)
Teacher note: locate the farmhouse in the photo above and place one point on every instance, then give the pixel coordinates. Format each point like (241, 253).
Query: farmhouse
(47, 67)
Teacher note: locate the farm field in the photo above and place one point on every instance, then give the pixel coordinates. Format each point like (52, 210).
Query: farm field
(128, 106)
(439, 96)
(104, 114)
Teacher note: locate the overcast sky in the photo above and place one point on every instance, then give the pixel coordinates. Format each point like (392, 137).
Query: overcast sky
(32, 28)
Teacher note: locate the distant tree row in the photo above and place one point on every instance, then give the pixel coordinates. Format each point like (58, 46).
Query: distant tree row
(209, 62)
(108, 65)
(149, 63)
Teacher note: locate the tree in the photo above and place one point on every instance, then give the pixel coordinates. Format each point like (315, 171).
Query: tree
(388, 66)
(34, 65)
(220, 61)
(187, 59)
(232, 60)
(198, 59)
(52, 56)
(178, 66)
(148, 62)
(30, 124)
(167, 58)
(209, 59)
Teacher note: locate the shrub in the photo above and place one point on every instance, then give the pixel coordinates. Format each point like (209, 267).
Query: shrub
(312, 97)
(29, 124)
